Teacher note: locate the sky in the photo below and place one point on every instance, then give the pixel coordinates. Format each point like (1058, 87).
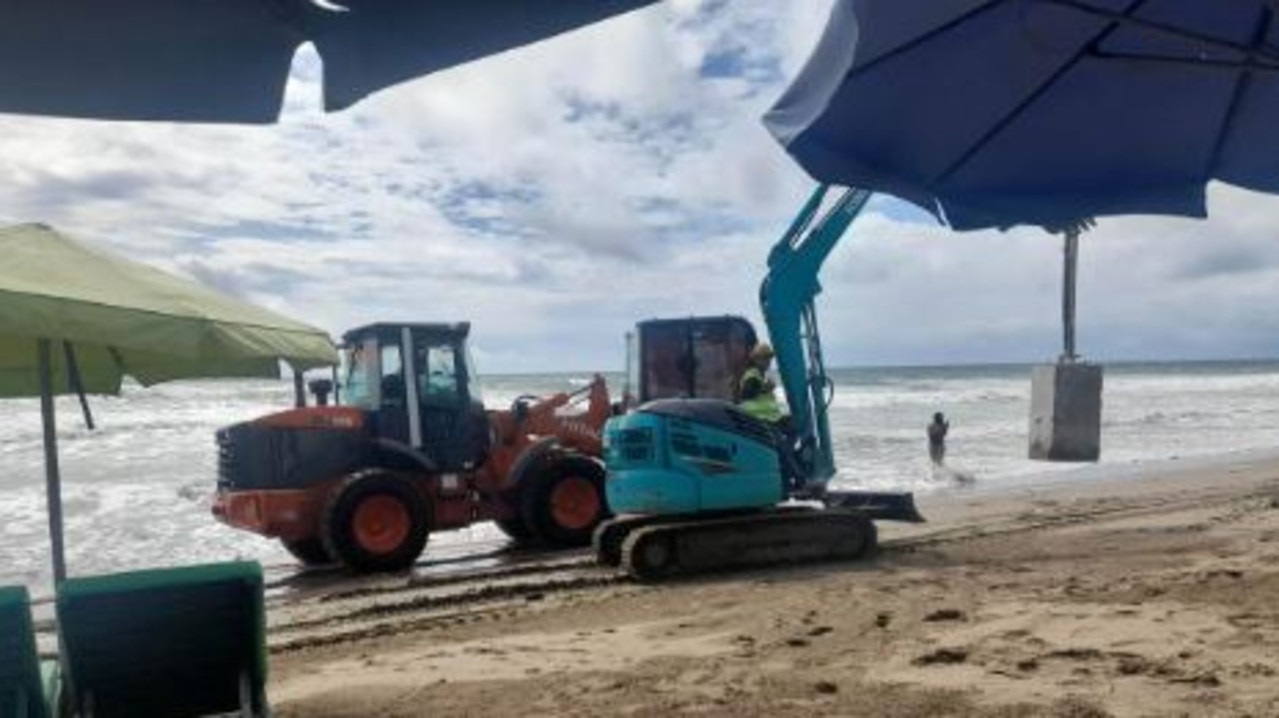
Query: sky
(556, 194)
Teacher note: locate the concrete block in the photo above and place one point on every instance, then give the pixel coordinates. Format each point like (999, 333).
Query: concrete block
(1065, 412)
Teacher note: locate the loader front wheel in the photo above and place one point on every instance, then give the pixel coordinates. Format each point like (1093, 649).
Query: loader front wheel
(376, 523)
(563, 502)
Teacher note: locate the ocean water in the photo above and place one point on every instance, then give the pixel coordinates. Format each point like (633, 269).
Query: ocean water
(136, 490)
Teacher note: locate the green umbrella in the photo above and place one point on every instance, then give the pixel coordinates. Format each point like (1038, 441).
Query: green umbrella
(75, 320)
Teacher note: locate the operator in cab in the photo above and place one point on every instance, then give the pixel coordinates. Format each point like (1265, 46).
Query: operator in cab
(757, 397)
(756, 392)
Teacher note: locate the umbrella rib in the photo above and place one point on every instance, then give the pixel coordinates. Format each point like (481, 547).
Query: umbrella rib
(1242, 83)
(1253, 48)
(119, 360)
(75, 383)
(1034, 95)
(905, 47)
(1248, 64)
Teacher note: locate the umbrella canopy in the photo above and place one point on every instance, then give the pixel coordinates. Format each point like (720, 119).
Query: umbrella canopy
(1003, 112)
(228, 60)
(121, 317)
(75, 320)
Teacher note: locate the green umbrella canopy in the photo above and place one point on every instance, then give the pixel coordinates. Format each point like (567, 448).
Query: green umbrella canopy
(121, 317)
(65, 306)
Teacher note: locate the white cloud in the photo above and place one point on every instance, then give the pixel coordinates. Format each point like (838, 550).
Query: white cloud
(558, 193)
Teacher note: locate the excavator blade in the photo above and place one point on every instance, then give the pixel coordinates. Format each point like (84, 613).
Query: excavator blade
(878, 505)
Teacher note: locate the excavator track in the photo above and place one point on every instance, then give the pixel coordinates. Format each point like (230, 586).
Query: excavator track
(657, 551)
(609, 536)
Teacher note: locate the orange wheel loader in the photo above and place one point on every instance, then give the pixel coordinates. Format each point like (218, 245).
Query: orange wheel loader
(410, 449)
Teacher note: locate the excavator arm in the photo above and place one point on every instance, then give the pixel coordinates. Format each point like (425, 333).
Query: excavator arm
(786, 299)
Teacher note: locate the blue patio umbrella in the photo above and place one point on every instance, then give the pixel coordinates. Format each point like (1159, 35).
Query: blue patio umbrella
(994, 113)
(1002, 112)
(228, 60)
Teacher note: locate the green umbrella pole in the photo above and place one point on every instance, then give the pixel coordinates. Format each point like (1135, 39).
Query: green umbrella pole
(53, 480)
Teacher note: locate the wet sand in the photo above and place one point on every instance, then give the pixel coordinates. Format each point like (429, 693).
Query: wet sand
(1153, 591)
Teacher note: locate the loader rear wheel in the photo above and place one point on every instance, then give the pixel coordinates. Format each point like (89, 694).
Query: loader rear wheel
(376, 523)
(563, 502)
(310, 551)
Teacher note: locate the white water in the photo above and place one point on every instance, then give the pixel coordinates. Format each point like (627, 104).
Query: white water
(136, 489)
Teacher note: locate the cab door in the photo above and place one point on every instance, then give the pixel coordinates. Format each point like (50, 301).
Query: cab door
(391, 397)
(444, 402)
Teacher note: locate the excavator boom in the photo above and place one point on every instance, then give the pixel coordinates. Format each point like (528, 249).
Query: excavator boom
(786, 298)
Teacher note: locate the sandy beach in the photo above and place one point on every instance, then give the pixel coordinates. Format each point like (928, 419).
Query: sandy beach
(1151, 590)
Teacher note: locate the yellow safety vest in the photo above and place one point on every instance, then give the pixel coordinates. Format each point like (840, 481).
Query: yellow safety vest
(764, 406)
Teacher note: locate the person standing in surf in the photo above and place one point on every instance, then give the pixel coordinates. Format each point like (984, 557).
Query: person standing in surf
(937, 439)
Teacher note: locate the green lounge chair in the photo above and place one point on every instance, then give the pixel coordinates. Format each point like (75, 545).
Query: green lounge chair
(169, 642)
(28, 686)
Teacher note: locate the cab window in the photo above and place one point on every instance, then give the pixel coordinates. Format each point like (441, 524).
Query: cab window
(392, 375)
(361, 372)
(668, 369)
(720, 353)
(437, 374)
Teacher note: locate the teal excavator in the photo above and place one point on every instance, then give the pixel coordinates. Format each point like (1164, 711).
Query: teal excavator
(699, 485)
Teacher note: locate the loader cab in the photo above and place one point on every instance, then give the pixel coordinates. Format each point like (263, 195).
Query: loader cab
(693, 357)
(418, 383)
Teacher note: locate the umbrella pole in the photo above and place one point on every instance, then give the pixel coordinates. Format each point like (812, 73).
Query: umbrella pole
(1069, 268)
(53, 481)
(75, 384)
(299, 389)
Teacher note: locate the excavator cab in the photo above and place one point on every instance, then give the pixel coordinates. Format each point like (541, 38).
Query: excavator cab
(419, 386)
(689, 358)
